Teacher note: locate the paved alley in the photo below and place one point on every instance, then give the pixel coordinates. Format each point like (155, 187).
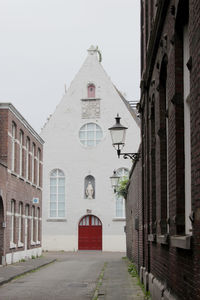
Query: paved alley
(80, 275)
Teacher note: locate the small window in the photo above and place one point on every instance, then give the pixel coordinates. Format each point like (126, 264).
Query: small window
(85, 221)
(95, 221)
(91, 91)
(90, 134)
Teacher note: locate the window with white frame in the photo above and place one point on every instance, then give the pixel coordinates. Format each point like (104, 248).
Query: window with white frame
(120, 201)
(33, 163)
(27, 158)
(90, 134)
(38, 166)
(20, 224)
(37, 225)
(57, 194)
(12, 229)
(32, 223)
(20, 153)
(13, 147)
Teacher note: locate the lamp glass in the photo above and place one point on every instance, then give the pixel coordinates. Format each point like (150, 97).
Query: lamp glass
(114, 179)
(118, 136)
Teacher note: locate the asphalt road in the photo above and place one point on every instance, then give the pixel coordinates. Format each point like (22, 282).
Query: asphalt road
(72, 277)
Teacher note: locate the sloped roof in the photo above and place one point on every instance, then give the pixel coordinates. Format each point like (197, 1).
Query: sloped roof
(132, 112)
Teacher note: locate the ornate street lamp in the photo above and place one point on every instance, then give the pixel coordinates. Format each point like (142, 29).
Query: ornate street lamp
(114, 180)
(118, 134)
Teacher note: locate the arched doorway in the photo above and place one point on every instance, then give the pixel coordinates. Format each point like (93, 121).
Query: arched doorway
(90, 233)
(1, 230)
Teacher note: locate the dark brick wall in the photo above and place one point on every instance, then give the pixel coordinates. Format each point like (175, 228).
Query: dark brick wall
(134, 220)
(162, 77)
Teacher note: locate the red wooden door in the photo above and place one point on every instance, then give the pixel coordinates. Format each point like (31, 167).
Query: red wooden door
(90, 233)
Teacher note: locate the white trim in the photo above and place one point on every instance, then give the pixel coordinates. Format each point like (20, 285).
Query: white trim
(12, 245)
(20, 244)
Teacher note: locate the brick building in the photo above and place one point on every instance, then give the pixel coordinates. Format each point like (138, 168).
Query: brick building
(169, 223)
(20, 187)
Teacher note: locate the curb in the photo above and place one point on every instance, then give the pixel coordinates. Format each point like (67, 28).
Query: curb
(26, 272)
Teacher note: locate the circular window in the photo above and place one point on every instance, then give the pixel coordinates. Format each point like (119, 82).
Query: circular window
(90, 134)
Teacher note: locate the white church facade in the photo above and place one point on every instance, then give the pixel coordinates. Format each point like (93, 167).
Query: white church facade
(80, 209)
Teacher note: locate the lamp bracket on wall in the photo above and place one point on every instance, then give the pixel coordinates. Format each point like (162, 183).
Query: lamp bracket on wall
(133, 156)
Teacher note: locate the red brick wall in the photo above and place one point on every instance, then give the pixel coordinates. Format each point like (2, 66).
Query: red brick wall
(14, 186)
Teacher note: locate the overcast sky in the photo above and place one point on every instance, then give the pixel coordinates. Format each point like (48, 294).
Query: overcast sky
(44, 43)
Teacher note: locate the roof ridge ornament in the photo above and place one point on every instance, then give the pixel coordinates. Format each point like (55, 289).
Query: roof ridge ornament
(92, 50)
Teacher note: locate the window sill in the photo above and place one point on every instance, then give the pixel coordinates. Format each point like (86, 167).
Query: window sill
(89, 99)
(20, 245)
(181, 241)
(12, 245)
(13, 173)
(33, 243)
(152, 237)
(56, 220)
(119, 219)
(163, 239)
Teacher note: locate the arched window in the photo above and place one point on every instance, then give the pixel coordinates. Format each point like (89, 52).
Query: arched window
(89, 187)
(37, 230)
(21, 164)
(20, 224)
(90, 134)
(26, 233)
(32, 225)
(57, 194)
(13, 165)
(33, 162)
(120, 202)
(27, 158)
(122, 172)
(38, 167)
(91, 90)
(12, 231)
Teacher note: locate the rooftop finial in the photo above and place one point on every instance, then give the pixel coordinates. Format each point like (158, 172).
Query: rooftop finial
(92, 50)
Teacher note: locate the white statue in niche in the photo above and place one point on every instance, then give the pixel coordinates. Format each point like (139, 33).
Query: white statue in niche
(89, 191)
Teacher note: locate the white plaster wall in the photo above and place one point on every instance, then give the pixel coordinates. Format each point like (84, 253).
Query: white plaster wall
(18, 255)
(62, 149)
